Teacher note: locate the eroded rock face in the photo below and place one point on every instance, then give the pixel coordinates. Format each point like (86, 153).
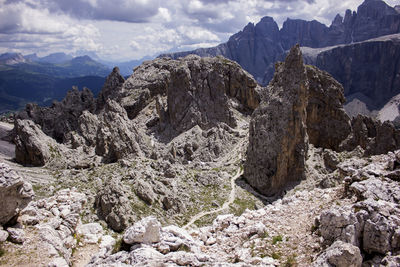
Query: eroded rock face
(116, 138)
(15, 194)
(278, 140)
(327, 122)
(373, 136)
(194, 91)
(199, 90)
(371, 223)
(32, 146)
(111, 88)
(113, 206)
(62, 117)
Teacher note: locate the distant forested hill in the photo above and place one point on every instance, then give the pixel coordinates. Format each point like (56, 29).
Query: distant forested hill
(42, 82)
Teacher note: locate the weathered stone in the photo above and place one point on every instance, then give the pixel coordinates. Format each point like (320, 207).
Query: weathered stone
(145, 231)
(343, 225)
(58, 262)
(111, 88)
(327, 122)
(145, 192)
(278, 139)
(373, 136)
(62, 117)
(91, 232)
(16, 235)
(113, 206)
(340, 254)
(15, 194)
(3, 235)
(32, 146)
(116, 137)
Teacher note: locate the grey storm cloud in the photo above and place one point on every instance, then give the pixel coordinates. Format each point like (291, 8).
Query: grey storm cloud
(136, 11)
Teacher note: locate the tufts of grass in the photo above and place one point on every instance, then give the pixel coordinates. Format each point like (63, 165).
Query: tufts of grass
(276, 255)
(2, 251)
(276, 239)
(291, 261)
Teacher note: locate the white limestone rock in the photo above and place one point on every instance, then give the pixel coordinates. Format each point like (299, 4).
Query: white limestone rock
(145, 231)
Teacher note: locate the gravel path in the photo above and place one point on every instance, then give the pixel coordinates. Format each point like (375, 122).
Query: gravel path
(232, 196)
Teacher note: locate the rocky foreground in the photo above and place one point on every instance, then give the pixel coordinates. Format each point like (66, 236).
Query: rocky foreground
(149, 173)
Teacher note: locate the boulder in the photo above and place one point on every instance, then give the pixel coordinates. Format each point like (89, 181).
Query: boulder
(340, 254)
(32, 146)
(145, 192)
(112, 204)
(278, 140)
(145, 231)
(342, 224)
(16, 235)
(3, 235)
(15, 194)
(90, 232)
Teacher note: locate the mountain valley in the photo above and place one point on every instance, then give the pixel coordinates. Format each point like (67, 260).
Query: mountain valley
(280, 147)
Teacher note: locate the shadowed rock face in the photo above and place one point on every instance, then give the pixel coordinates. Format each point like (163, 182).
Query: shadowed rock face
(302, 105)
(257, 47)
(368, 68)
(327, 122)
(278, 140)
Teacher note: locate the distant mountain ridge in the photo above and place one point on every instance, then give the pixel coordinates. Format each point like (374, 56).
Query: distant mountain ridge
(25, 79)
(258, 46)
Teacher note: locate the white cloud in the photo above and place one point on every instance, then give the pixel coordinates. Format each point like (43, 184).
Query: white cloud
(131, 29)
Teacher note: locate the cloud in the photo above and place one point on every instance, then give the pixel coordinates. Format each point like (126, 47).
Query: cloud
(137, 11)
(25, 28)
(130, 29)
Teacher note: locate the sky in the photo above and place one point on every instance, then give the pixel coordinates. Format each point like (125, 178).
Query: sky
(123, 30)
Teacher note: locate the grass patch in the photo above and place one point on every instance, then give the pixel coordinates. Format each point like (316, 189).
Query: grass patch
(291, 261)
(276, 239)
(2, 251)
(276, 255)
(240, 205)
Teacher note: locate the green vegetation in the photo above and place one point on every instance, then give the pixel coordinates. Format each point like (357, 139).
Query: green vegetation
(240, 205)
(2, 251)
(291, 261)
(276, 255)
(43, 82)
(276, 239)
(118, 245)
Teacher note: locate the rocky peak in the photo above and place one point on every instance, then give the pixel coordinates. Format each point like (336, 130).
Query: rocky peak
(186, 93)
(337, 21)
(303, 105)
(111, 87)
(12, 58)
(278, 140)
(257, 48)
(267, 28)
(375, 9)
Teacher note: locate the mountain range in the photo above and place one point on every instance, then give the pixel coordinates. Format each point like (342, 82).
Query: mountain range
(41, 80)
(346, 49)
